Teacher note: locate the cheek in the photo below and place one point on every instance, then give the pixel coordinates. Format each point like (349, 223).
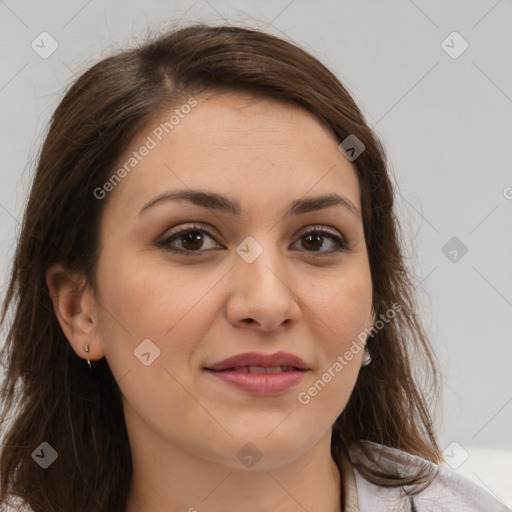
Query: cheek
(342, 304)
(148, 296)
(340, 309)
(153, 298)
(142, 300)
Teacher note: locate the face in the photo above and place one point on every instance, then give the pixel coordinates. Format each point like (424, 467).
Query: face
(202, 284)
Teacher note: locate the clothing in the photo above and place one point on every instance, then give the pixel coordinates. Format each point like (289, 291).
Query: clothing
(448, 491)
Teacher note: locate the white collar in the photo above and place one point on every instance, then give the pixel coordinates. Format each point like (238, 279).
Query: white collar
(448, 491)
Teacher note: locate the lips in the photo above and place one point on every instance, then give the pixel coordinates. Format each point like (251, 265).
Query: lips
(260, 374)
(254, 362)
(260, 369)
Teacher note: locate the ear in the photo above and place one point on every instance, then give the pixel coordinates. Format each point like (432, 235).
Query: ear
(76, 312)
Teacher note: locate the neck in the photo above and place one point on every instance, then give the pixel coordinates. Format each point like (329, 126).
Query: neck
(166, 478)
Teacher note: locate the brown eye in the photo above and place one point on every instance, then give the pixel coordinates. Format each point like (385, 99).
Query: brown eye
(314, 241)
(188, 241)
(192, 240)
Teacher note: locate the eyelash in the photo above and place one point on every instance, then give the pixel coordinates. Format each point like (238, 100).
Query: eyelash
(342, 246)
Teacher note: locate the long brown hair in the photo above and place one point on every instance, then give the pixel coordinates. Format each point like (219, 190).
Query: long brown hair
(48, 393)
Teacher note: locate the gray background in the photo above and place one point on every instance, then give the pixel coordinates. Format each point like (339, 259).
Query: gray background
(444, 121)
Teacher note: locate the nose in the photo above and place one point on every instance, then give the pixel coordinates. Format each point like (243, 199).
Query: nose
(262, 295)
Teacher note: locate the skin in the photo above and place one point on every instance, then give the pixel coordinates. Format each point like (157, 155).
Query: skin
(186, 426)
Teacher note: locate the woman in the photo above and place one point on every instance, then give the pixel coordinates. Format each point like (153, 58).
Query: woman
(211, 309)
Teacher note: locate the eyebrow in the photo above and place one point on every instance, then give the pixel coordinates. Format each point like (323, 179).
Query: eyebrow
(221, 203)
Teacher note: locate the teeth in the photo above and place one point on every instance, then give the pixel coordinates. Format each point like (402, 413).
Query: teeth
(262, 369)
(256, 369)
(275, 369)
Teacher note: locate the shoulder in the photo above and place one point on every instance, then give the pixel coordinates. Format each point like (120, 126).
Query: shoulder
(447, 491)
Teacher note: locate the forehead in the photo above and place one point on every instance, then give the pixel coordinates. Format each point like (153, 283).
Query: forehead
(255, 148)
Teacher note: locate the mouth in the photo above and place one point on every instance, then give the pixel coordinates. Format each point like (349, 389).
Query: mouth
(259, 369)
(255, 361)
(260, 374)
(260, 380)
